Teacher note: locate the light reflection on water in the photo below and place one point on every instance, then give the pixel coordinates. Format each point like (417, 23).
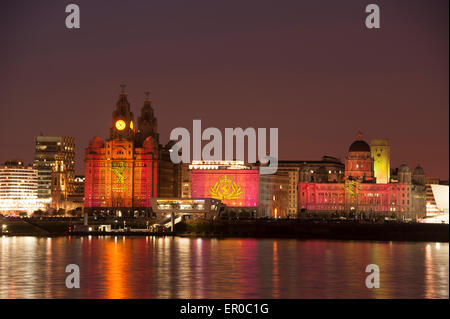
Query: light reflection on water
(156, 267)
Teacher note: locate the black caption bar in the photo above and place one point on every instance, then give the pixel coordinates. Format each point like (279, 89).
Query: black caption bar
(213, 308)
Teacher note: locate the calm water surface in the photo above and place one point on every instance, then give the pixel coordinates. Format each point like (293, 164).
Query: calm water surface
(149, 267)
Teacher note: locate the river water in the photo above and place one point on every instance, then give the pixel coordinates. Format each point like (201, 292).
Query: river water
(157, 267)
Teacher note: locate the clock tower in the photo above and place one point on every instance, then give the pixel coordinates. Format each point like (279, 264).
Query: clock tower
(121, 173)
(122, 118)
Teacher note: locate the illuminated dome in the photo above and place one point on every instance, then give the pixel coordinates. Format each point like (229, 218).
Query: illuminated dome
(96, 142)
(418, 170)
(403, 168)
(149, 143)
(359, 145)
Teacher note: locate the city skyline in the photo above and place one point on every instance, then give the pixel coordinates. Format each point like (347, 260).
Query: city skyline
(80, 171)
(389, 83)
(224, 158)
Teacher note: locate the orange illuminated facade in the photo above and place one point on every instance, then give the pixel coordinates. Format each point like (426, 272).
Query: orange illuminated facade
(121, 173)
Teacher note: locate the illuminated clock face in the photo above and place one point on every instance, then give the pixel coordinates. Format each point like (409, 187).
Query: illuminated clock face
(120, 125)
(131, 125)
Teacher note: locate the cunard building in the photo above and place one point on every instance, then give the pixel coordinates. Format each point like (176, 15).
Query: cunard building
(122, 172)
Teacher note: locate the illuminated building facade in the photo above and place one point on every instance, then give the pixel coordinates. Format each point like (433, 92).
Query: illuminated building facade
(360, 192)
(201, 207)
(329, 169)
(231, 182)
(440, 214)
(185, 178)
(54, 154)
(78, 189)
(19, 189)
(436, 196)
(359, 162)
(75, 199)
(273, 195)
(381, 154)
(62, 186)
(431, 206)
(121, 174)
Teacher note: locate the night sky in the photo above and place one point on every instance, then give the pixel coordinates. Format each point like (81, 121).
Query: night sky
(310, 68)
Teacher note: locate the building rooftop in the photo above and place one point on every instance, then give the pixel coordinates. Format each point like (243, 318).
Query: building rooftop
(359, 146)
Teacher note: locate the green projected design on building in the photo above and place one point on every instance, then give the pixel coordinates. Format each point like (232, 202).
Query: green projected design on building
(352, 188)
(118, 168)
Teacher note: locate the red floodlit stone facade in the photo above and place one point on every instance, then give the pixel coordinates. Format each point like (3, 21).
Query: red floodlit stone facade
(235, 188)
(359, 193)
(121, 173)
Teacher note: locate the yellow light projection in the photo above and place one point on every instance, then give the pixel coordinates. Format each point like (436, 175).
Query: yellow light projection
(225, 188)
(352, 187)
(118, 168)
(131, 125)
(380, 150)
(120, 125)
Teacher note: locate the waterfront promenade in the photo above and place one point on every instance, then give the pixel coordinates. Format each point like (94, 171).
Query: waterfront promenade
(254, 228)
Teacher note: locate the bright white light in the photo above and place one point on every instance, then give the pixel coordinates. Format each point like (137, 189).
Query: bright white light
(218, 165)
(440, 193)
(26, 204)
(438, 219)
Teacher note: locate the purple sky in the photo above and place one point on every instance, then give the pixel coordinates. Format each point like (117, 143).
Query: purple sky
(310, 68)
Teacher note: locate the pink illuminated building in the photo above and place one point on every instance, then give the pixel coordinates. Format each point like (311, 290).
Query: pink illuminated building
(233, 183)
(360, 193)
